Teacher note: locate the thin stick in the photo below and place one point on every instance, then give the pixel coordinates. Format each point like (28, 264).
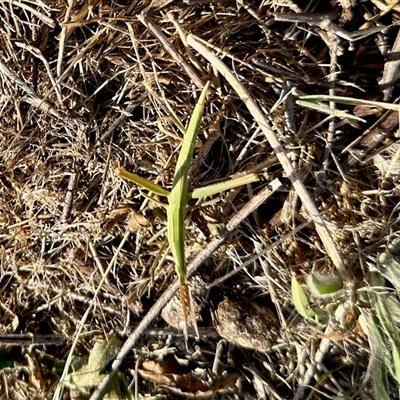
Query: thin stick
(41, 103)
(21, 339)
(33, 97)
(252, 205)
(171, 50)
(58, 392)
(69, 196)
(38, 54)
(280, 152)
(44, 18)
(257, 255)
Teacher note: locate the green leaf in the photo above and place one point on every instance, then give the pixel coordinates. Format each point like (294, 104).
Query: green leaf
(379, 354)
(391, 331)
(324, 285)
(394, 309)
(6, 361)
(321, 316)
(300, 300)
(90, 375)
(392, 270)
(387, 310)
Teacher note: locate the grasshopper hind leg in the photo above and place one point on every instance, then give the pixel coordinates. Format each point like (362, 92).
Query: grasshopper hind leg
(188, 304)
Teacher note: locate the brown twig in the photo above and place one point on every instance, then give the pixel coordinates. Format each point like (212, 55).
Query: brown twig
(391, 70)
(69, 197)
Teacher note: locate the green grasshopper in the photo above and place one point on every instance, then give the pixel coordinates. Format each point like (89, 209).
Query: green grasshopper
(178, 198)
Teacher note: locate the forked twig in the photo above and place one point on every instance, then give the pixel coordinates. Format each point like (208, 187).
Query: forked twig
(252, 205)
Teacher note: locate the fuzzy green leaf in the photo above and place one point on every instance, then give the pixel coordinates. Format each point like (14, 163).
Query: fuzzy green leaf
(321, 316)
(91, 374)
(379, 355)
(392, 271)
(391, 332)
(324, 285)
(300, 300)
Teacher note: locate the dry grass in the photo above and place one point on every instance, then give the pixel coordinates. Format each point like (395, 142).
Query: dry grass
(84, 91)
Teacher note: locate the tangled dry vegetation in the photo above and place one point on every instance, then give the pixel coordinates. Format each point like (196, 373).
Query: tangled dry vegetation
(85, 88)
